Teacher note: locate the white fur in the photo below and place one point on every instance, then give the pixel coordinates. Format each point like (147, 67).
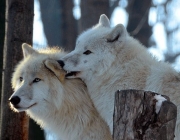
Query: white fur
(118, 61)
(60, 105)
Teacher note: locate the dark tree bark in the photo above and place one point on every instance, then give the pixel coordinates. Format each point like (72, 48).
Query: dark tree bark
(60, 27)
(52, 20)
(2, 33)
(69, 25)
(19, 29)
(35, 132)
(91, 11)
(138, 26)
(135, 117)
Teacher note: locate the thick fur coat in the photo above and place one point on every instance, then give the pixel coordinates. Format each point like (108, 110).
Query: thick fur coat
(108, 59)
(62, 106)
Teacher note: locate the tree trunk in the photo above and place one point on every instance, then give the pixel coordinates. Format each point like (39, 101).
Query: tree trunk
(52, 20)
(35, 132)
(135, 117)
(60, 27)
(91, 11)
(138, 26)
(19, 29)
(69, 25)
(2, 33)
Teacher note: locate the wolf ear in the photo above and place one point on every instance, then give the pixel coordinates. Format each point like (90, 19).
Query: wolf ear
(27, 50)
(104, 21)
(53, 65)
(118, 33)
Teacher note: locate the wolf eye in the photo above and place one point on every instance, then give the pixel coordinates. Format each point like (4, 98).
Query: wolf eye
(87, 52)
(20, 79)
(36, 80)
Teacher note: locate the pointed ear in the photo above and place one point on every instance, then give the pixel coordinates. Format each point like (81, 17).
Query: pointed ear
(27, 50)
(118, 33)
(54, 66)
(104, 21)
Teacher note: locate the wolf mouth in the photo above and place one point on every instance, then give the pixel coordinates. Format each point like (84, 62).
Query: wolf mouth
(72, 73)
(25, 108)
(31, 105)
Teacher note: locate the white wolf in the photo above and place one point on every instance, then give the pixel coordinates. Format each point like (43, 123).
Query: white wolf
(108, 59)
(57, 104)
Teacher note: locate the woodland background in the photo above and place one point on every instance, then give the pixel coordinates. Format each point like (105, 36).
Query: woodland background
(155, 23)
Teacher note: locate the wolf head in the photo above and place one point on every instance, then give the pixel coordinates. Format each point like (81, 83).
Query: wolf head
(37, 82)
(95, 50)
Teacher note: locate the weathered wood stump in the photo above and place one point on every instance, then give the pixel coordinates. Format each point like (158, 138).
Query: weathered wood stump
(135, 117)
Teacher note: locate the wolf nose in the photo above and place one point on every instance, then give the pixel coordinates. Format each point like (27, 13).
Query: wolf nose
(61, 63)
(15, 100)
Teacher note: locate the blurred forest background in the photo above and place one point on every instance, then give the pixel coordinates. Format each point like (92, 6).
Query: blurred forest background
(155, 23)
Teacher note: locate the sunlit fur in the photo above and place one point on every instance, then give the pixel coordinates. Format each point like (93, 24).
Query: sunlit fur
(62, 107)
(117, 61)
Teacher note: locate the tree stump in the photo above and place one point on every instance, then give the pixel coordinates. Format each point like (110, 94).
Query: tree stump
(135, 117)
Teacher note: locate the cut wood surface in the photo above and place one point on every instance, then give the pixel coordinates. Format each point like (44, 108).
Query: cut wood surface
(135, 116)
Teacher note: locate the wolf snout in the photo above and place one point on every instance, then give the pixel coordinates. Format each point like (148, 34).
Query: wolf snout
(61, 63)
(15, 100)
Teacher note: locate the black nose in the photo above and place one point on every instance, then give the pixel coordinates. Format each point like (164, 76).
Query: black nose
(61, 63)
(15, 100)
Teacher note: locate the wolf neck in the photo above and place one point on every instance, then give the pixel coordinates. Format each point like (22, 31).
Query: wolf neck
(72, 116)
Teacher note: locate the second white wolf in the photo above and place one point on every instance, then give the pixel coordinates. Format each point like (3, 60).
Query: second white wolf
(57, 104)
(108, 59)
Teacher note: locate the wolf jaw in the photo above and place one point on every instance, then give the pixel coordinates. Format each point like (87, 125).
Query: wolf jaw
(21, 109)
(26, 108)
(70, 74)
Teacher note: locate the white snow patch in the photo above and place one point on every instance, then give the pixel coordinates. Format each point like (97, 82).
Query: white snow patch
(159, 99)
(119, 15)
